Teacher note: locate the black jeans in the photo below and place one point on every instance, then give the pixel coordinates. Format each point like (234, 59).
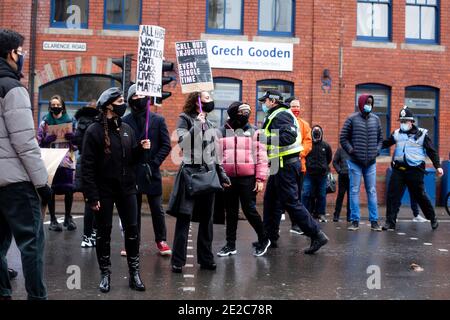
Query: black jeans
(89, 220)
(127, 208)
(68, 200)
(343, 187)
(282, 194)
(413, 179)
(205, 205)
(158, 218)
(242, 189)
(21, 218)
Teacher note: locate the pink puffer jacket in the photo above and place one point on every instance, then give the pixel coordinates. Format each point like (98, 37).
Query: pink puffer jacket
(242, 153)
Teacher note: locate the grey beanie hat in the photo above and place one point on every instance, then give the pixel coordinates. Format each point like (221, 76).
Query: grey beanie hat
(131, 92)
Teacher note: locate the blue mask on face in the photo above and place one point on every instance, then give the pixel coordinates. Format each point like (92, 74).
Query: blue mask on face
(19, 63)
(367, 108)
(265, 109)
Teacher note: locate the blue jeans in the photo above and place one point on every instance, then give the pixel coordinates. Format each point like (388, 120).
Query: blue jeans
(369, 173)
(314, 194)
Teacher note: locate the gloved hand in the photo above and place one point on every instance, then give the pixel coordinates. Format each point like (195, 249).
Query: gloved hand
(68, 136)
(45, 193)
(49, 139)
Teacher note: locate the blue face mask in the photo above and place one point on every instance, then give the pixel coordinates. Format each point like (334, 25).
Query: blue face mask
(265, 109)
(20, 63)
(367, 108)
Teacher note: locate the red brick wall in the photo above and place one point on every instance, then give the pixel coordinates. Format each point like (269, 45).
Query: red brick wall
(324, 27)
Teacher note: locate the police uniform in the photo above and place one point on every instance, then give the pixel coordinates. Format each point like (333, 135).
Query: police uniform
(408, 169)
(283, 139)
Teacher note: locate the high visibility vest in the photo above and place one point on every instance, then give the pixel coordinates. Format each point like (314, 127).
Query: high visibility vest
(409, 149)
(277, 151)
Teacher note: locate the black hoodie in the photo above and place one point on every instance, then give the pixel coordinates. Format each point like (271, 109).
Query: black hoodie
(318, 160)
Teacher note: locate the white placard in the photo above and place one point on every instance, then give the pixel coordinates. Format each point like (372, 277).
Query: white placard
(250, 55)
(150, 61)
(64, 46)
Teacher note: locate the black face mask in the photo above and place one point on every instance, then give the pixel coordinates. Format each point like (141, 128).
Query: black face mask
(119, 109)
(139, 104)
(316, 135)
(241, 120)
(56, 111)
(208, 106)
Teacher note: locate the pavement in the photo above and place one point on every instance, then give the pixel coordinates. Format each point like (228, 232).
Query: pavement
(354, 265)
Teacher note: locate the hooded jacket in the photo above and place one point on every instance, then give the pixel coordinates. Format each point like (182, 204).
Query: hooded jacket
(20, 155)
(361, 135)
(318, 160)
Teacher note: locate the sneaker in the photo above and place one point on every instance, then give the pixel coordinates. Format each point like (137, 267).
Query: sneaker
(70, 224)
(163, 248)
(388, 227)
(375, 226)
(55, 226)
(261, 249)
(283, 217)
(123, 253)
(93, 239)
(434, 224)
(177, 269)
(419, 218)
(317, 242)
(86, 242)
(227, 251)
(335, 218)
(296, 229)
(354, 226)
(12, 274)
(322, 218)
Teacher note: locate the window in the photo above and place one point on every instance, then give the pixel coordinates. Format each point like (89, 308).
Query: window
(226, 91)
(423, 102)
(77, 91)
(422, 21)
(122, 14)
(224, 16)
(284, 87)
(276, 17)
(382, 106)
(374, 20)
(61, 17)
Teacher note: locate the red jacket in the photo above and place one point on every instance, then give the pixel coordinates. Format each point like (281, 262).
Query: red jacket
(242, 153)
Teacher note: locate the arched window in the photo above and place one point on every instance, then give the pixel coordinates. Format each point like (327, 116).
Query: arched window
(286, 89)
(77, 91)
(226, 90)
(382, 105)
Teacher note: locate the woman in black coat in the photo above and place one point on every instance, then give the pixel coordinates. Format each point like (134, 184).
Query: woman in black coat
(196, 138)
(109, 157)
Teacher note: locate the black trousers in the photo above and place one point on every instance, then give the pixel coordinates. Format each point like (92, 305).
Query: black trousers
(21, 218)
(89, 222)
(242, 190)
(413, 179)
(343, 187)
(158, 218)
(127, 208)
(282, 194)
(68, 200)
(203, 204)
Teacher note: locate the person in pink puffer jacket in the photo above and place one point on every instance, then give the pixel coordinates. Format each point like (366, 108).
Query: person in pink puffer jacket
(245, 162)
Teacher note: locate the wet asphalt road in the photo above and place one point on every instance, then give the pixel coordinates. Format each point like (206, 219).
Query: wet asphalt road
(338, 271)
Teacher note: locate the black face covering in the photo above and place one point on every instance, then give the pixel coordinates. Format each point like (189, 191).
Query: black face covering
(119, 109)
(316, 135)
(56, 111)
(240, 120)
(208, 106)
(139, 104)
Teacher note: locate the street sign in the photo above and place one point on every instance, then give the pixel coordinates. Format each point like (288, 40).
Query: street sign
(64, 46)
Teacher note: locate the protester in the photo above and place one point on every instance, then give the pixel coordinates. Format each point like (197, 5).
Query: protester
(85, 117)
(110, 153)
(197, 140)
(361, 138)
(23, 176)
(340, 165)
(63, 181)
(245, 162)
(149, 181)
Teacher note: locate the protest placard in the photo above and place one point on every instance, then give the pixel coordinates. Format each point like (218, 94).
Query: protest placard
(60, 130)
(150, 61)
(193, 66)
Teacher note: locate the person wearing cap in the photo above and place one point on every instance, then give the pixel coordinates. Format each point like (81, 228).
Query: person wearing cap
(361, 138)
(412, 146)
(110, 153)
(281, 134)
(244, 159)
(160, 148)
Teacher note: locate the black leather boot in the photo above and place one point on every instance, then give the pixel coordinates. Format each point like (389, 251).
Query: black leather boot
(105, 283)
(103, 249)
(132, 248)
(317, 241)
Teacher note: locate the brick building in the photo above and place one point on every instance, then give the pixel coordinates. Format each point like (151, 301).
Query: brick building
(396, 50)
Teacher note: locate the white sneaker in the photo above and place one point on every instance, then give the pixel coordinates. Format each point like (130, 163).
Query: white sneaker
(419, 218)
(86, 242)
(283, 217)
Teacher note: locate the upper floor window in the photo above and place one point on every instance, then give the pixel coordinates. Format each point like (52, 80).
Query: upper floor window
(69, 14)
(122, 14)
(224, 16)
(276, 17)
(226, 91)
(374, 20)
(422, 21)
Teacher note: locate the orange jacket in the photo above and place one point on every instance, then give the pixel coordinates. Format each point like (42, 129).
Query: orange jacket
(305, 130)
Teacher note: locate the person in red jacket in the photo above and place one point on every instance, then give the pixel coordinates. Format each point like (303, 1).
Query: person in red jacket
(246, 164)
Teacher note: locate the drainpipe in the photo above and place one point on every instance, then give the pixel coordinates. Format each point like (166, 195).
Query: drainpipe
(31, 75)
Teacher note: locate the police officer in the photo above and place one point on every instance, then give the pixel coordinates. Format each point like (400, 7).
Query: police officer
(283, 139)
(408, 168)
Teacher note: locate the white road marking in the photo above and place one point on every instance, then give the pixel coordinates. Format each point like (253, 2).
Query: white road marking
(192, 289)
(427, 244)
(188, 276)
(189, 256)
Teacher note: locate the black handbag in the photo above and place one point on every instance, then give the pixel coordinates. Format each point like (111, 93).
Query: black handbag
(201, 180)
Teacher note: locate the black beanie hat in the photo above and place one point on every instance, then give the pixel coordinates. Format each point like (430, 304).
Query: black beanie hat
(233, 109)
